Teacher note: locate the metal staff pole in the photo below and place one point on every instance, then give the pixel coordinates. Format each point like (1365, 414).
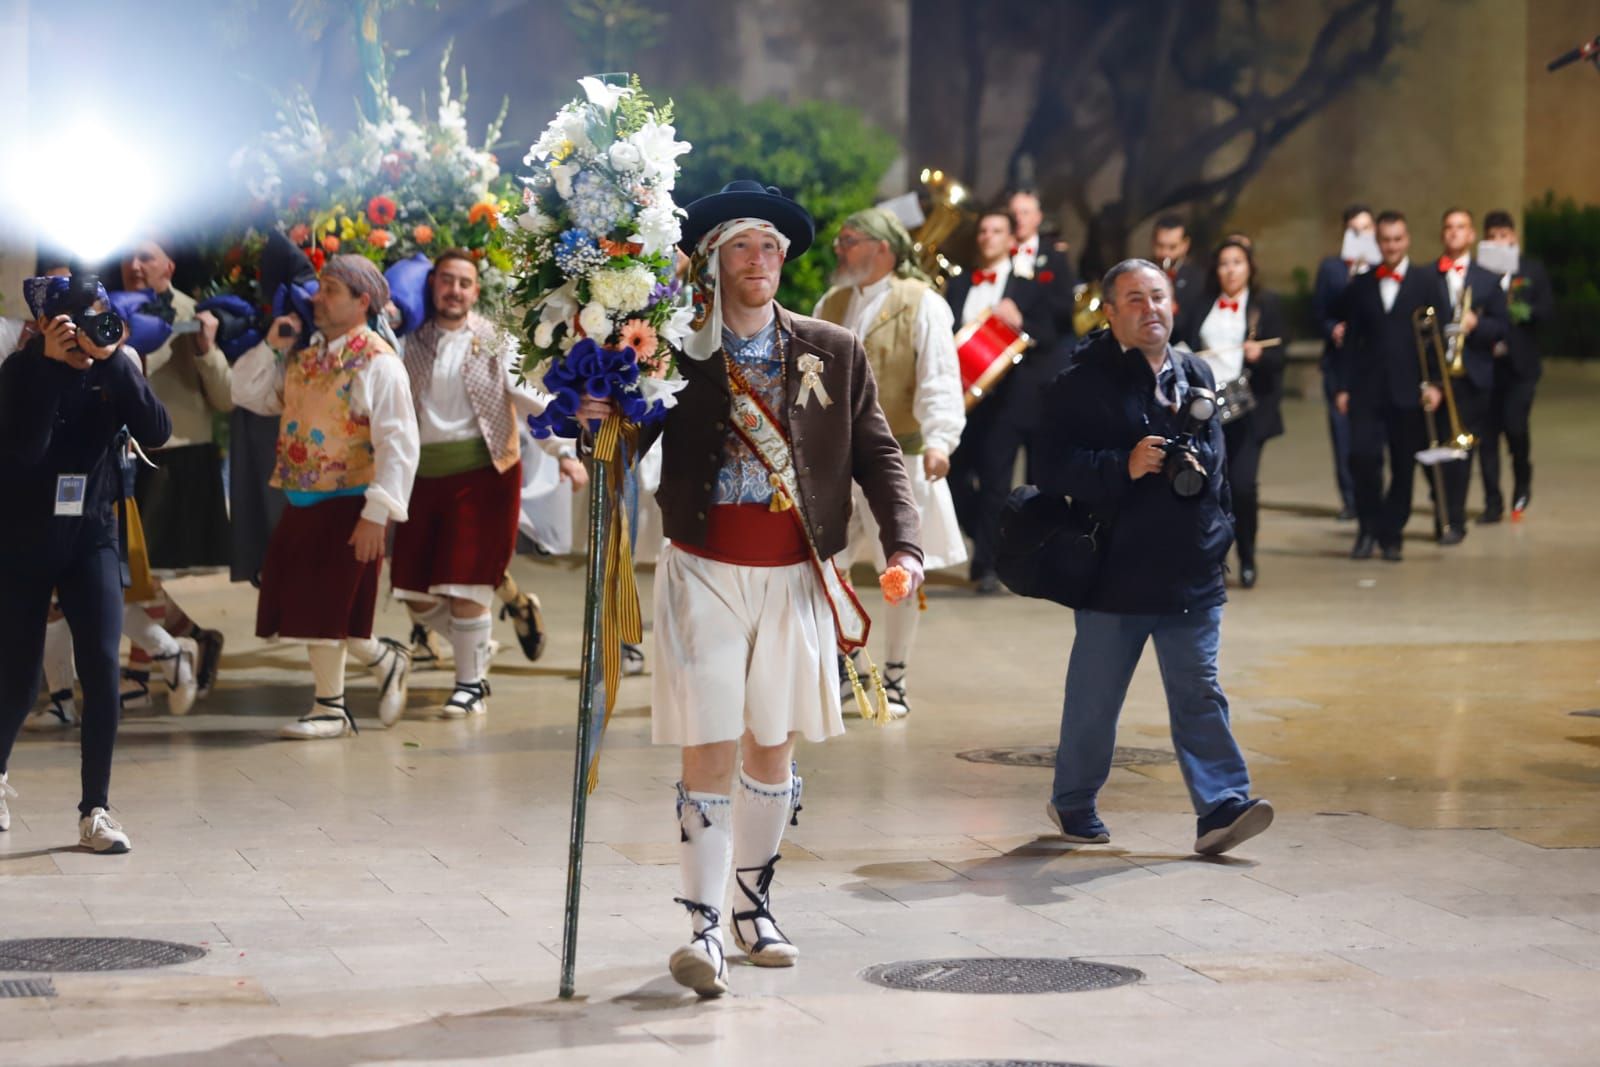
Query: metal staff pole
(590, 682)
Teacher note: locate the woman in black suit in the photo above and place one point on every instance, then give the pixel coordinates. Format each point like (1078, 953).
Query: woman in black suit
(1239, 317)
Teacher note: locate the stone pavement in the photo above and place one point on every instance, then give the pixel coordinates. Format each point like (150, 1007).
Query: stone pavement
(1430, 893)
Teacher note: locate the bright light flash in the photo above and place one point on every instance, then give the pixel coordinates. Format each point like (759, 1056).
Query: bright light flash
(83, 187)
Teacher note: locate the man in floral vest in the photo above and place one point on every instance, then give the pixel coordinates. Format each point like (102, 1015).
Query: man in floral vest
(347, 455)
(778, 417)
(454, 549)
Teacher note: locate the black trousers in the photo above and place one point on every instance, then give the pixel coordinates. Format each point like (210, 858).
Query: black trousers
(1471, 405)
(981, 471)
(1509, 415)
(1339, 438)
(1244, 475)
(86, 574)
(1374, 430)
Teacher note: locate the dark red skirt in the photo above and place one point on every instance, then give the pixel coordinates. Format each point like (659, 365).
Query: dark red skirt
(311, 584)
(462, 530)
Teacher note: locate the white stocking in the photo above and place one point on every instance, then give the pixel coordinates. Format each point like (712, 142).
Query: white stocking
(900, 624)
(704, 852)
(327, 669)
(469, 638)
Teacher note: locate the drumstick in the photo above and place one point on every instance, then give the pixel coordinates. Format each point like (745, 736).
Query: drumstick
(1271, 342)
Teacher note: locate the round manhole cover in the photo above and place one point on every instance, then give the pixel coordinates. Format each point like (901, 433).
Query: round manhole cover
(92, 954)
(1000, 974)
(1045, 756)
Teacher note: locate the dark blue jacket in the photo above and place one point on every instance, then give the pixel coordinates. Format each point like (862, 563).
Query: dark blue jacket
(57, 420)
(1164, 554)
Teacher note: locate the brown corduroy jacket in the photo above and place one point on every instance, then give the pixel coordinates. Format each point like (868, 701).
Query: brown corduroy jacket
(847, 441)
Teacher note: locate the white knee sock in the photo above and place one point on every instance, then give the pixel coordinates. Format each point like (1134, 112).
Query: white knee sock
(436, 618)
(761, 811)
(58, 672)
(146, 633)
(703, 854)
(366, 650)
(327, 669)
(469, 638)
(900, 623)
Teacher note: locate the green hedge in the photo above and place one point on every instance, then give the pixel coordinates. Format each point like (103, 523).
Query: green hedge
(1566, 238)
(824, 155)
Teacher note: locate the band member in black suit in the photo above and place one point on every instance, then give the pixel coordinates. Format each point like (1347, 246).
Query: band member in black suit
(1378, 384)
(1002, 423)
(1229, 337)
(1484, 323)
(1169, 247)
(1038, 258)
(1333, 274)
(1516, 373)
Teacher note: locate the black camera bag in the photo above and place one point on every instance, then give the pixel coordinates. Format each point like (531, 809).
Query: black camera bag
(1049, 548)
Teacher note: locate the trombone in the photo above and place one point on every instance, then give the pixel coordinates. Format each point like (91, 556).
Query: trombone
(1431, 348)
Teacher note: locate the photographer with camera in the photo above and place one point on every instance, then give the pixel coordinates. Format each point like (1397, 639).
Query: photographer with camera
(66, 399)
(1135, 439)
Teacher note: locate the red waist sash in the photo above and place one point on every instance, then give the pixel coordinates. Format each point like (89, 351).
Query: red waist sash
(751, 535)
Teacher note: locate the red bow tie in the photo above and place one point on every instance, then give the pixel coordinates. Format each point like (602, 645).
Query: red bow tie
(1386, 272)
(1446, 265)
(981, 276)
(1227, 305)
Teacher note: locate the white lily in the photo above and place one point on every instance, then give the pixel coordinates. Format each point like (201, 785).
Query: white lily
(602, 95)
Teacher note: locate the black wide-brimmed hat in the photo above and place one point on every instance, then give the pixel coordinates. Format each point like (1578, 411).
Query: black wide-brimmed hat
(749, 199)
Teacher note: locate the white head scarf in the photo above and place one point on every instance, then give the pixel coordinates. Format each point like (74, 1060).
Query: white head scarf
(704, 342)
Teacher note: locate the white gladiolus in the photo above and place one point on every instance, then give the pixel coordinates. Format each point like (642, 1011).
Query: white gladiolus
(665, 390)
(676, 328)
(659, 228)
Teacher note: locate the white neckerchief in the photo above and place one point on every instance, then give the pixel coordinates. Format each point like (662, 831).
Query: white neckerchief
(703, 343)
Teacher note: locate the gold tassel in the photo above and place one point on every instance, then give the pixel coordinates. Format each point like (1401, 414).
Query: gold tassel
(882, 718)
(862, 706)
(780, 499)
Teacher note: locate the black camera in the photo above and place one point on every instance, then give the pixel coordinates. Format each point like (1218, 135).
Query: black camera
(1188, 479)
(103, 329)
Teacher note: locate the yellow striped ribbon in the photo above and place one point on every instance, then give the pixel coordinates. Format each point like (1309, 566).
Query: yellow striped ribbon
(620, 621)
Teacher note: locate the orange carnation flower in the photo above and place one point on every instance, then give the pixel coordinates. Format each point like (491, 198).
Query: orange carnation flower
(484, 212)
(381, 210)
(380, 238)
(896, 584)
(617, 249)
(422, 234)
(330, 244)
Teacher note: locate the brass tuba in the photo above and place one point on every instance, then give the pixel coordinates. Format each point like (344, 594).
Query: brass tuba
(945, 216)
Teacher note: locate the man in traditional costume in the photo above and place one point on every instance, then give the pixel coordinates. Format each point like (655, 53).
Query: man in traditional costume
(453, 551)
(779, 414)
(347, 455)
(884, 298)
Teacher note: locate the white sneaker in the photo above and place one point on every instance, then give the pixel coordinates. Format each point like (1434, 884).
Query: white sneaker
(392, 669)
(135, 689)
(99, 832)
(181, 674)
(328, 718)
(468, 698)
(5, 812)
(60, 714)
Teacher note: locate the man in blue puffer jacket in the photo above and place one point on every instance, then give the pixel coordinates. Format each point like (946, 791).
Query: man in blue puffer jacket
(1112, 416)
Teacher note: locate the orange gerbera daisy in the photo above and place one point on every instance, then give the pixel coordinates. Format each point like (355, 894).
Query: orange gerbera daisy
(640, 336)
(381, 210)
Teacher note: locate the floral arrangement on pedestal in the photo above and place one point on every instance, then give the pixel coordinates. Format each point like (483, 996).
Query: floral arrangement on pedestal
(394, 187)
(594, 249)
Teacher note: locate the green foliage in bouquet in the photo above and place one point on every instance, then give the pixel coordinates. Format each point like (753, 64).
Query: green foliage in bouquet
(825, 155)
(1565, 236)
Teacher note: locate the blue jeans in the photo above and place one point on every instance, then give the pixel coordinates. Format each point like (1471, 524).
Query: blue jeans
(1104, 654)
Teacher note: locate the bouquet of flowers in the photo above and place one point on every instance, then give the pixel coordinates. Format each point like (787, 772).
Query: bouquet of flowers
(392, 188)
(594, 248)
